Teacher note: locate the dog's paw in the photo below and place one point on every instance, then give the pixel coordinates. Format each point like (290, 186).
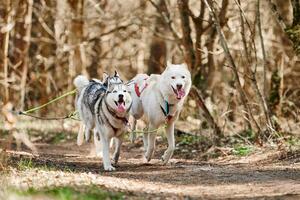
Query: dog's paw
(86, 139)
(132, 137)
(115, 161)
(109, 168)
(147, 158)
(164, 160)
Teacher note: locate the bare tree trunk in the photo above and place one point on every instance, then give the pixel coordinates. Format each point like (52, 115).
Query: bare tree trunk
(75, 37)
(22, 42)
(262, 95)
(60, 32)
(158, 46)
(186, 33)
(197, 71)
(96, 61)
(210, 46)
(4, 38)
(296, 12)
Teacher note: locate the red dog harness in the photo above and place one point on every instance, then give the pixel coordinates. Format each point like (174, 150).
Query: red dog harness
(137, 88)
(165, 111)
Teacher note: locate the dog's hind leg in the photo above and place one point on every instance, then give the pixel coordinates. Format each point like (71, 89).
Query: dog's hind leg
(133, 133)
(145, 139)
(171, 143)
(116, 155)
(151, 143)
(97, 143)
(80, 136)
(87, 132)
(88, 120)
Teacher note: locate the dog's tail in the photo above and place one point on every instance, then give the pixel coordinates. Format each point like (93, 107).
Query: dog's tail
(80, 82)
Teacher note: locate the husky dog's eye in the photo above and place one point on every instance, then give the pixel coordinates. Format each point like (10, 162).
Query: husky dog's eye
(172, 77)
(183, 77)
(124, 91)
(115, 91)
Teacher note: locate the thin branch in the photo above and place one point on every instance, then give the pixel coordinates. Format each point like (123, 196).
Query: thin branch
(262, 48)
(43, 23)
(196, 93)
(262, 96)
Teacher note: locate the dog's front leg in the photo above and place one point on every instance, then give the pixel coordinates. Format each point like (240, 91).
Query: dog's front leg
(150, 143)
(105, 148)
(116, 155)
(171, 143)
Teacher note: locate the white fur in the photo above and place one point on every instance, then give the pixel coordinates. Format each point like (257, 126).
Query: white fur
(148, 104)
(80, 136)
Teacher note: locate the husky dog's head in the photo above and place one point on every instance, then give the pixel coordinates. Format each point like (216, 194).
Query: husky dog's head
(176, 81)
(118, 97)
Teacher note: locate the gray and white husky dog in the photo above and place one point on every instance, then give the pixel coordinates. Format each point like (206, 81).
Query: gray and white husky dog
(160, 98)
(104, 107)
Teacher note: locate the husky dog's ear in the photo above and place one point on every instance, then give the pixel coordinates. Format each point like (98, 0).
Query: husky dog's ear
(105, 76)
(116, 74)
(105, 79)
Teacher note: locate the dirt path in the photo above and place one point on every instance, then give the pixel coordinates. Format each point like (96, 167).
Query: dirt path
(237, 178)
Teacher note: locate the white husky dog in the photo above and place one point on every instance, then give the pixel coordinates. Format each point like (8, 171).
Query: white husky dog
(104, 107)
(160, 99)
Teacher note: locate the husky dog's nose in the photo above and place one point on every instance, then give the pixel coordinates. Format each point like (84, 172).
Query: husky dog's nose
(121, 96)
(179, 86)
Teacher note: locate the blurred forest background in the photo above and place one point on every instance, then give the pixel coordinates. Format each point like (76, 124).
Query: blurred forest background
(243, 55)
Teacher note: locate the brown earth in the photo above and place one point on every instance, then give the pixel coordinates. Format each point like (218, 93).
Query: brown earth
(267, 174)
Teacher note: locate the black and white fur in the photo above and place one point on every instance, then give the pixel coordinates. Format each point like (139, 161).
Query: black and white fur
(104, 108)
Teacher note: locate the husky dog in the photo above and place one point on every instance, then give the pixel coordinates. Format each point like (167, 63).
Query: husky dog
(104, 107)
(160, 99)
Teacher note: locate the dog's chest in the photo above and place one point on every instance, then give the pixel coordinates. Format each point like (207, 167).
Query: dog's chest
(159, 113)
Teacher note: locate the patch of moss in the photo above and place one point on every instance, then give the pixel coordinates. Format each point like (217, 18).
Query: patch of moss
(185, 139)
(274, 97)
(294, 35)
(73, 193)
(242, 150)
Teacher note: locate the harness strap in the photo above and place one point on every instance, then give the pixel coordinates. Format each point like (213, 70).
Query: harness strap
(137, 89)
(166, 111)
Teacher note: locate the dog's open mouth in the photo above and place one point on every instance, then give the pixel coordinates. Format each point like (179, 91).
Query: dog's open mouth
(120, 105)
(180, 93)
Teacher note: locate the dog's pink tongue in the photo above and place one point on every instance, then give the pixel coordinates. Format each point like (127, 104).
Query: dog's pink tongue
(180, 93)
(121, 107)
